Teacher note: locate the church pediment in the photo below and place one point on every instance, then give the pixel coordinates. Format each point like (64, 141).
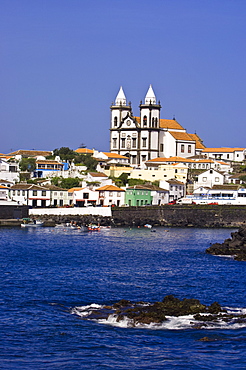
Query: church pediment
(129, 122)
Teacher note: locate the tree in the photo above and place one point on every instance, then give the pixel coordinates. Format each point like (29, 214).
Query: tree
(87, 160)
(27, 164)
(65, 153)
(67, 183)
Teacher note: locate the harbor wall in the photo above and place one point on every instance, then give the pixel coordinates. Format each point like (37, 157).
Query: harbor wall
(181, 216)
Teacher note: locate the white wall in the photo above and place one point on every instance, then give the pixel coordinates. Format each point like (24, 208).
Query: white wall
(100, 211)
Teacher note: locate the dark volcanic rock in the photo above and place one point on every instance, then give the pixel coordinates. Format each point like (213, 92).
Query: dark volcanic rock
(234, 246)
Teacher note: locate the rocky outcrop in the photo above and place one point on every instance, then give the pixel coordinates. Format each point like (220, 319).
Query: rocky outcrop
(234, 246)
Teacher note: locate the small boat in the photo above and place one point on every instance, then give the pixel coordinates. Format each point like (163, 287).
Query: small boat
(33, 223)
(148, 226)
(92, 227)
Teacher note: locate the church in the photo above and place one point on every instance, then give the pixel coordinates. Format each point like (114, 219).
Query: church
(148, 136)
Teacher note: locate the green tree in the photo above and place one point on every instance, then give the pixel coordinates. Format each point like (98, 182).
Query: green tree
(64, 153)
(87, 160)
(66, 183)
(27, 164)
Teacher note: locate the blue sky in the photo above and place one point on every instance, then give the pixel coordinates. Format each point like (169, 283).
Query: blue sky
(63, 62)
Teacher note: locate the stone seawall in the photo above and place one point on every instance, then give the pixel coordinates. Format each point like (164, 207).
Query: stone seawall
(181, 216)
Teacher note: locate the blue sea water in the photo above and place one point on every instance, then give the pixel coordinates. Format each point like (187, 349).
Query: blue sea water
(46, 273)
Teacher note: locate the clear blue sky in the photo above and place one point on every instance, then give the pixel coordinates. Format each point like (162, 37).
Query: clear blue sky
(63, 61)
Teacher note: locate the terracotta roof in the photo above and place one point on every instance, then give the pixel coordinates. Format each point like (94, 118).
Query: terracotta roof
(226, 187)
(222, 150)
(55, 188)
(205, 161)
(84, 151)
(97, 174)
(3, 187)
(6, 181)
(139, 187)
(170, 124)
(175, 182)
(170, 159)
(224, 163)
(28, 187)
(114, 155)
(109, 188)
(48, 162)
(74, 189)
(181, 136)
(31, 153)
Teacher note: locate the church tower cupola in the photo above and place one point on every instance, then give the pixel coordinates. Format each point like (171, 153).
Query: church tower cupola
(150, 96)
(120, 98)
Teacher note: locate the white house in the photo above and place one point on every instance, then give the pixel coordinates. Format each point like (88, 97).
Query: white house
(83, 197)
(111, 195)
(226, 154)
(209, 178)
(4, 193)
(31, 195)
(176, 188)
(9, 171)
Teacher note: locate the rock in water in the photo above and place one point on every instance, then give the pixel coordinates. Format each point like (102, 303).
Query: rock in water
(234, 246)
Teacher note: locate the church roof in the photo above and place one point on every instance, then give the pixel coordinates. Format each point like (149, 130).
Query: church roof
(181, 136)
(170, 124)
(199, 144)
(171, 159)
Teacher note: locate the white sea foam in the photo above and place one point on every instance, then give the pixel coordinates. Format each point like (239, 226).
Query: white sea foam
(171, 322)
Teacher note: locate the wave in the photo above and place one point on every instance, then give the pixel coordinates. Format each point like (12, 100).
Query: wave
(231, 318)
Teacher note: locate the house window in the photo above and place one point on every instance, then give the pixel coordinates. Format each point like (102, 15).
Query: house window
(228, 156)
(145, 121)
(143, 158)
(123, 143)
(18, 192)
(204, 179)
(23, 192)
(110, 193)
(114, 143)
(134, 159)
(134, 142)
(43, 193)
(118, 194)
(34, 193)
(161, 147)
(115, 121)
(13, 192)
(85, 195)
(182, 148)
(189, 148)
(217, 179)
(144, 142)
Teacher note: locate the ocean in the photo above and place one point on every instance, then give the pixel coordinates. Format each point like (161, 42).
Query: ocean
(50, 277)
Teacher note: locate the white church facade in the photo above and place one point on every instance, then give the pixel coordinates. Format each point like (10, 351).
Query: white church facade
(148, 136)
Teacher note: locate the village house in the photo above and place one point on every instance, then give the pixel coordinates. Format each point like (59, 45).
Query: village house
(83, 196)
(209, 178)
(176, 188)
(9, 171)
(30, 195)
(226, 154)
(138, 195)
(110, 195)
(4, 190)
(47, 168)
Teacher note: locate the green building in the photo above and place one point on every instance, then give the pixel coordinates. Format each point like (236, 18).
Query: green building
(138, 195)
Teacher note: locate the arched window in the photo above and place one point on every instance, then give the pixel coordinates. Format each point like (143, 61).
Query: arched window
(145, 121)
(156, 122)
(153, 122)
(115, 121)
